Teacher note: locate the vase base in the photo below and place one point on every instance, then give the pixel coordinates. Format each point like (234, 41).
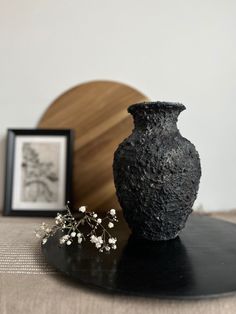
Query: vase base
(154, 238)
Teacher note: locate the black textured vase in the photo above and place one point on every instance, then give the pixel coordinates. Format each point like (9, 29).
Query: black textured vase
(156, 172)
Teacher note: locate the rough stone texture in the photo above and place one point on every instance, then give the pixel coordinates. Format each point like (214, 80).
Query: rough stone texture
(156, 172)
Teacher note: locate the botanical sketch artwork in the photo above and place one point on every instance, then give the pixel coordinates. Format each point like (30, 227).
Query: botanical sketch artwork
(40, 173)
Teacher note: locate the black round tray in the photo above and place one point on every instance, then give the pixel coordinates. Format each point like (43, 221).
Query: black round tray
(200, 263)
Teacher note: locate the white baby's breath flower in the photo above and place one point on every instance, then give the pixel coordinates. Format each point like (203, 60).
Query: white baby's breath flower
(82, 209)
(73, 234)
(79, 234)
(99, 240)
(43, 226)
(99, 220)
(112, 212)
(107, 248)
(58, 220)
(112, 240)
(95, 215)
(48, 230)
(80, 240)
(93, 238)
(114, 247)
(44, 240)
(98, 245)
(110, 225)
(62, 240)
(37, 235)
(68, 242)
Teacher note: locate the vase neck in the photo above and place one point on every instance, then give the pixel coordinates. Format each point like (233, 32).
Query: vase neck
(160, 116)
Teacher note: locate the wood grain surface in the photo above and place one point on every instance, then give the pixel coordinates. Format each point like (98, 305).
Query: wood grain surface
(97, 111)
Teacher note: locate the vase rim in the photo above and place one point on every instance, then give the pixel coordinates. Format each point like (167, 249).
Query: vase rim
(156, 105)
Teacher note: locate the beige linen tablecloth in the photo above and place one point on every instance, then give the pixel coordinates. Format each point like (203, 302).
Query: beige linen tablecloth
(28, 285)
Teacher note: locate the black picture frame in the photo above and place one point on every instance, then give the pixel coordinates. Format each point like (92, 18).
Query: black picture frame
(12, 135)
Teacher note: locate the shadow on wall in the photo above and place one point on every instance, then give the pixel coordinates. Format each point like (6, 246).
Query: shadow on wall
(2, 169)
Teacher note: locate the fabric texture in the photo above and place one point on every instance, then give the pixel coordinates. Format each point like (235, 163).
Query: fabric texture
(20, 251)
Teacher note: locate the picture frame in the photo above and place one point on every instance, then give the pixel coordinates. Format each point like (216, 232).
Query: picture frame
(38, 175)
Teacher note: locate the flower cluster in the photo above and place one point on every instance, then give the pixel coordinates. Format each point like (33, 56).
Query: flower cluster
(100, 243)
(72, 228)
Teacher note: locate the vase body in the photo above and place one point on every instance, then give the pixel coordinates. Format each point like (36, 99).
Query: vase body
(156, 172)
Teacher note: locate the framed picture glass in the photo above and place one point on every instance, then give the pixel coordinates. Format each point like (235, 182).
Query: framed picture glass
(38, 171)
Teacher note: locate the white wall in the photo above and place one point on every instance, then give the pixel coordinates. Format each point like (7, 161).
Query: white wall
(171, 50)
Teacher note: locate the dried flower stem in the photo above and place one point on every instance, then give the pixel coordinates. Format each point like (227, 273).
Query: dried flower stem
(71, 227)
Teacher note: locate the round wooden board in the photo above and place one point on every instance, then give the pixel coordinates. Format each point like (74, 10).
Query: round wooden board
(97, 111)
